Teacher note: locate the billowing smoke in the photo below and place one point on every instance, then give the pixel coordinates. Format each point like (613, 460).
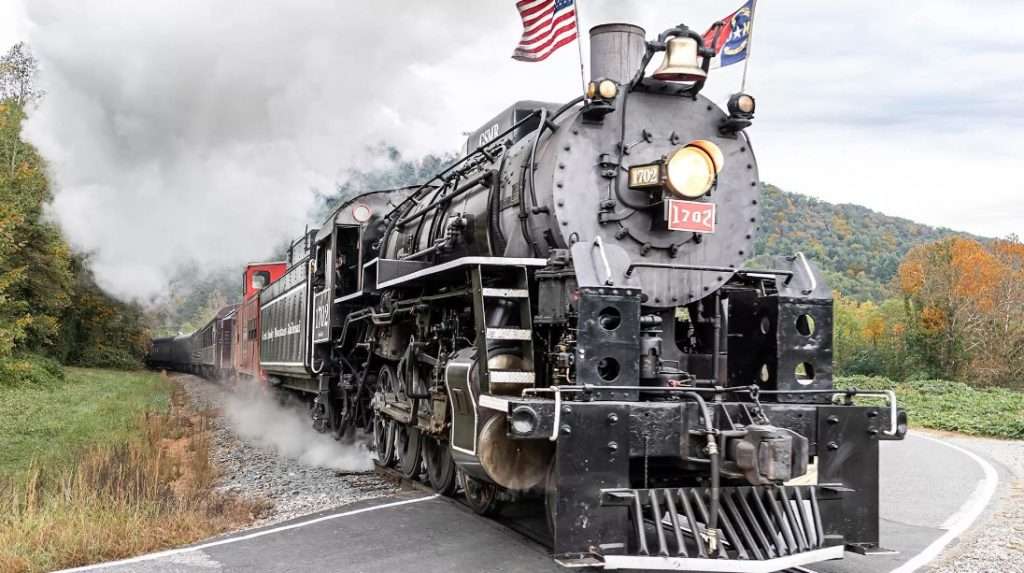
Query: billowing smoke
(261, 420)
(201, 130)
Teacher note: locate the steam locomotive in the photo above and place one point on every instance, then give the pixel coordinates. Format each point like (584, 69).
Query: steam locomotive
(564, 314)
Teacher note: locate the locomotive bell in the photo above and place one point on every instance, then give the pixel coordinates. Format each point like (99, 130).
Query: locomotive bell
(680, 63)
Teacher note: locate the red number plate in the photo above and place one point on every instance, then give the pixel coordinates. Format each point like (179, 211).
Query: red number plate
(691, 216)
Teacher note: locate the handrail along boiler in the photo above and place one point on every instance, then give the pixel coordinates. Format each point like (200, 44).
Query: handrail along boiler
(564, 313)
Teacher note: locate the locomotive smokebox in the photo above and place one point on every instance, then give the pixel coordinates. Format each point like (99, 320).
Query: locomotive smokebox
(616, 51)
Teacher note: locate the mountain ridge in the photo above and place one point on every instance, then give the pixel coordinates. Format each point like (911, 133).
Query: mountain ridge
(858, 248)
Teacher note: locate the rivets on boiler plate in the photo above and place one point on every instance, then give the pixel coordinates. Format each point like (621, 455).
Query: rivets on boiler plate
(613, 446)
(566, 429)
(612, 418)
(833, 446)
(833, 420)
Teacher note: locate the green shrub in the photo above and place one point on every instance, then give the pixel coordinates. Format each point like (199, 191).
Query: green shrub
(953, 406)
(107, 357)
(31, 370)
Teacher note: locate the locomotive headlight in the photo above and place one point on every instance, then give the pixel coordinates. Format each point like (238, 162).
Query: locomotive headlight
(691, 170)
(741, 105)
(604, 89)
(607, 89)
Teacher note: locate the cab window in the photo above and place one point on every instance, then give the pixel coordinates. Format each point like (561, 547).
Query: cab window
(260, 279)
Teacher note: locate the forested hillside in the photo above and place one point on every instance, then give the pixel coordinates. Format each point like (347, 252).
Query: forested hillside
(860, 249)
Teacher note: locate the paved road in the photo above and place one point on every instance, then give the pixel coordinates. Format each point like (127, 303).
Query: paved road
(926, 487)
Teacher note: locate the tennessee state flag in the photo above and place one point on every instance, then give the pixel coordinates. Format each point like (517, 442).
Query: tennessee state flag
(730, 36)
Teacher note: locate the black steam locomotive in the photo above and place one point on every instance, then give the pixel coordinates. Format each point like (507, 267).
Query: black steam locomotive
(564, 314)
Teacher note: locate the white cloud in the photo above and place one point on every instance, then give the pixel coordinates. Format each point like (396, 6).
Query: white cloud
(11, 24)
(195, 129)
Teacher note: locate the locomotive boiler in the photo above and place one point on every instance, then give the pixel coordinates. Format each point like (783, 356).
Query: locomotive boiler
(564, 314)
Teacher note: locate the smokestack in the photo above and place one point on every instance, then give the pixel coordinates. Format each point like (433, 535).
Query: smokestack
(616, 51)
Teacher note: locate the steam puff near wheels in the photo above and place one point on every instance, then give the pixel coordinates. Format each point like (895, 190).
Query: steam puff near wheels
(260, 418)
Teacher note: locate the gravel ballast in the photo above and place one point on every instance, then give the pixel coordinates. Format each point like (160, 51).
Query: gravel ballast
(280, 469)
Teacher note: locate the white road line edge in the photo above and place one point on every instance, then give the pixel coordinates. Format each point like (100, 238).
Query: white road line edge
(964, 517)
(254, 535)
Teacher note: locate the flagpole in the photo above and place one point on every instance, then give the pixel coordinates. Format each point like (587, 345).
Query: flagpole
(750, 46)
(579, 47)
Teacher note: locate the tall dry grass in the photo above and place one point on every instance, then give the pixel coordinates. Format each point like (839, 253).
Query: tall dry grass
(152, 492)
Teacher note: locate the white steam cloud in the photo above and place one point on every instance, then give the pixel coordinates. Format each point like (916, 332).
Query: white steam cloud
(260, 420)
(197, 130)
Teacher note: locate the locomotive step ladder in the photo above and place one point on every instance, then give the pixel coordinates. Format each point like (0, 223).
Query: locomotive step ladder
(504, 327)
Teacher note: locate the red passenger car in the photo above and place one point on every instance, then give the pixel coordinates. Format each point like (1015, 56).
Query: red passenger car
(246, 354)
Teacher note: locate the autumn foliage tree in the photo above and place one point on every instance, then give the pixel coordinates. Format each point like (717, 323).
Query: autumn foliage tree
(871, 339)
(965, 309)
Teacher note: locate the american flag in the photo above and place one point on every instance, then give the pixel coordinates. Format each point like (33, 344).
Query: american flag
(547, 26)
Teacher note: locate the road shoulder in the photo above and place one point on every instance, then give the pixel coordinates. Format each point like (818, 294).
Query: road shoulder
(994, 543)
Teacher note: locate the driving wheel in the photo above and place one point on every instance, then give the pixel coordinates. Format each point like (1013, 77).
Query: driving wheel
(384, 439)
(441, 470)
(383, 426)
(407, 449)
(481, 496)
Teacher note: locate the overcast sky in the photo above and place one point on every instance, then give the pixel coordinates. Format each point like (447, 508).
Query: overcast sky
(160, 111)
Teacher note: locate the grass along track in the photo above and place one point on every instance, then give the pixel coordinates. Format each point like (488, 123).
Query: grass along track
(49, 424)
(105, 466)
